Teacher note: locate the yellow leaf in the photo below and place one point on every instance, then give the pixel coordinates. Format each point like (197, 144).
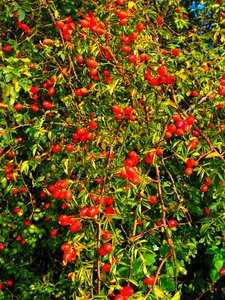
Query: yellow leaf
(169, 102)
(213, 154)
(158, 292)
(219, 147)
(27, 73)
(131, 4)
(188, 65)
(26, 60)
(112, 87)
(176, 296)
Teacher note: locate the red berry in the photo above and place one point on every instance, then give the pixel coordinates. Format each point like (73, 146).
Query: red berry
(106, 267)
(152, 200)
(107, 247)
(54, 232)
(149, 280)
(204, 188)
(127, 291)
(222, 271)
(207, 180)
(172, 223)
(74, 227)
(188, 171)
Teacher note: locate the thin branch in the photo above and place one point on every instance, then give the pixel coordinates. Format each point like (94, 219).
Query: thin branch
(199, 102)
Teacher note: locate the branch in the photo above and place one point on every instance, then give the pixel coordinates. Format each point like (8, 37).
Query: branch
(198, 103)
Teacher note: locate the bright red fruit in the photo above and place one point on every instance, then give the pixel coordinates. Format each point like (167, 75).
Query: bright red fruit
(91, 63)
(149, 280)
(152, 200)
(222, 271)
(106, 267)
(74, 227)
(47, 104)
(54, 232)
(66, 247)
(106, 235)
(56, 148)
(204, 188)
(190, 163)
(172, 223)
(175, 52)
(188, 171)
(51, 91)
(107, 247)
(207, 180)
(127, 291)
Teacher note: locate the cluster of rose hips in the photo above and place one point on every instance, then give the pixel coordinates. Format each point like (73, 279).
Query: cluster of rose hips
(150, 155)
(21, 25)
(66, 27)
(16, 190)
(108, 79)
(70, 253)
(82, 135)
(180, 127)
(71, 221)
(130, 172)
(20, 239)
(90, 211)
(204, 188)
(163, 77)
(108, 202)
(190, 164)
(120, 112)
(59, 190)
(10, 174)
(89, 21)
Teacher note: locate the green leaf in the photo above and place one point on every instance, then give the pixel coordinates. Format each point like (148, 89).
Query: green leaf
(214, 274)
(21, 13)
(204, 228)
(150, 258)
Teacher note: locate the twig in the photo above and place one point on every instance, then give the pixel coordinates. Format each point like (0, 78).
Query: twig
(199, 102)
